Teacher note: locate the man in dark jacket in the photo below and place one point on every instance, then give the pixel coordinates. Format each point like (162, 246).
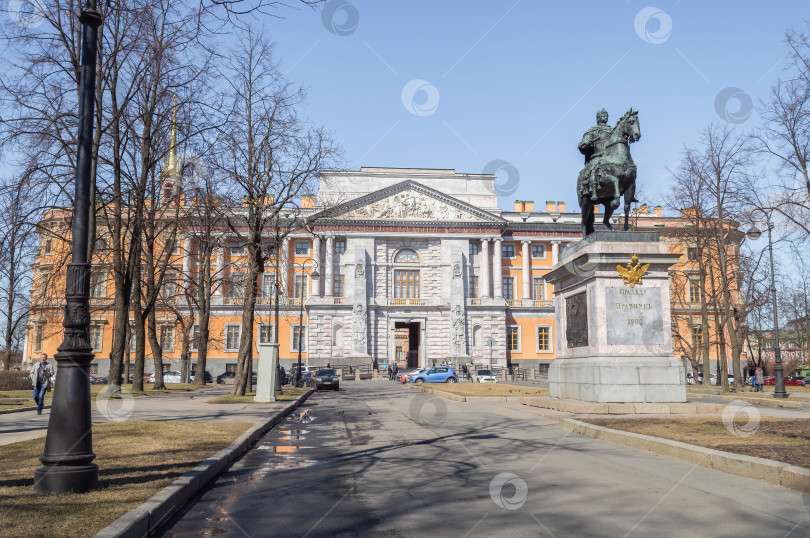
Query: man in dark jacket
(40, 376)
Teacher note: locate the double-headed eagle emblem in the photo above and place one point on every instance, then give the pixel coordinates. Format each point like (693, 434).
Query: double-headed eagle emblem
(631, 275)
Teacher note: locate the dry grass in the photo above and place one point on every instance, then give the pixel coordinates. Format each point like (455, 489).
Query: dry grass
(487, 389)
(171, 388)
(289, 394)
(135, 459)
(786, 440)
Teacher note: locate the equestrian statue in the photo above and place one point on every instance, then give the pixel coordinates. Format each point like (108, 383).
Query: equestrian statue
(609, 171)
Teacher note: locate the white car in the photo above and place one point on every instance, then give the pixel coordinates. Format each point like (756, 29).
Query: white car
(171, 376)
(485, 376)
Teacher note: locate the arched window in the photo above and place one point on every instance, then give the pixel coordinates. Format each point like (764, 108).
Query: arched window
(406, 255)
(337, 335)
(477, 336)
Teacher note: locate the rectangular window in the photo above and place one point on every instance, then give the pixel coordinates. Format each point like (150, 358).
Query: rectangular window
(694, 291)
(473, 287)
(96, 334)
(46, 246)
(98, 284)
(44, 280)
(538, 250)
(133, 341)
(475, 248)
(513, 338)
(543, 338)
(299, 334)
(697, 336)
(339, 285)
(302, 248)
(175, 246)
(509, 288)
(169, 285)
(508, 250)
(406, 284)
(237, 285)
(195, 334)
(692, 254)
(265, 333)
(167, 338)
(238, 249)
(340, 246)
(538, 289)
(268, 284)
(232, 334)
(301, 289)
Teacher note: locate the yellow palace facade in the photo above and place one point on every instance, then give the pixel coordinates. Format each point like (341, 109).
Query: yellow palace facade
(413, 266)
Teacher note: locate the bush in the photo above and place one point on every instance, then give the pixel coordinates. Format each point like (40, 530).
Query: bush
(14, 380)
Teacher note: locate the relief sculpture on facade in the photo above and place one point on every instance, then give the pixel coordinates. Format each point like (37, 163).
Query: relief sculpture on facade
(360, 329)
(410, 205)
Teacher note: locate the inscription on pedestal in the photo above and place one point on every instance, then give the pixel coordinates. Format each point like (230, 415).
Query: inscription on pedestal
(634, 316)
(576, 320)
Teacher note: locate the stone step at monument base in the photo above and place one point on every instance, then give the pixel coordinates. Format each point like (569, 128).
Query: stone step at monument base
(595, 408)
(609, 379)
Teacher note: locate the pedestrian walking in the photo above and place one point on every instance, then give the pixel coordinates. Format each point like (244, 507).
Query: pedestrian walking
(40, 376)
(390, 373)
(396, 371)
(463, 371)
(759, 374)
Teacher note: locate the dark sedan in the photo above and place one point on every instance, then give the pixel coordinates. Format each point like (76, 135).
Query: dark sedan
(326, 379)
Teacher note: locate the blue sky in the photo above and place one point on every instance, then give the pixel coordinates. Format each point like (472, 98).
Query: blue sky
(520, 81)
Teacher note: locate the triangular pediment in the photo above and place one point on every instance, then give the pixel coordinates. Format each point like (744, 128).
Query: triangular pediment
(410, 202)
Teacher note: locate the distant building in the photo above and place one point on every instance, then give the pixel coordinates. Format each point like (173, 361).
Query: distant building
(414, 265)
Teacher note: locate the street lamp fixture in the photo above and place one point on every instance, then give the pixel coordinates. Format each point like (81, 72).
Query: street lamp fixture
(779, 385)
(299, 380)
(67, 462)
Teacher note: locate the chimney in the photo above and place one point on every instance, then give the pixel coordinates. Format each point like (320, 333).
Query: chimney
(307, 201)
(528, 205)
(518, 206)
(551, 207)
(643, 209)
(561, 207)
(658, 210)
(596, 210)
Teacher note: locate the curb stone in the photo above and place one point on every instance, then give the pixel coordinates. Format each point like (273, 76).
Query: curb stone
(775, 472)
(29, 408)
(158, 509)
(459, 398)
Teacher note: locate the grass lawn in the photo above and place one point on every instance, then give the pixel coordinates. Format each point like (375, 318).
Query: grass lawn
(796, 393)
(149, 390)
(786, 440)
(135, 459)
(487, 389)
(289, 394)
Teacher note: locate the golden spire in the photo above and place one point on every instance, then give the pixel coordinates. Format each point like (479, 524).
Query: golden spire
(170, 168)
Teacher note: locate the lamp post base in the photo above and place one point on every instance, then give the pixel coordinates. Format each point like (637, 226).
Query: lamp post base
(56, 479)
(780, 394)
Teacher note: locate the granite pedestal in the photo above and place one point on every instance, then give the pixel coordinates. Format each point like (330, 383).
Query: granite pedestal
(614, 341)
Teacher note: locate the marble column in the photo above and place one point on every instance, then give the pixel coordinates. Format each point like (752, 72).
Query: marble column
(527, 270)
(186, 263)
(316, 255)
(497, 270)
(285, 266)
(485, 288)
(555, 252)
(328, 270)
(220, 265)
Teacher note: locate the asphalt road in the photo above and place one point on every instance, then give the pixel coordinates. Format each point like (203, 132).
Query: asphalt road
(377, 459)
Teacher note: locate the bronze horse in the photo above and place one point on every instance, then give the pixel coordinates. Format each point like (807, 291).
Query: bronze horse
(614, 173)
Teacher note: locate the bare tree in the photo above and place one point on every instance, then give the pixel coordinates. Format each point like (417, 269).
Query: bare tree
(270, 155)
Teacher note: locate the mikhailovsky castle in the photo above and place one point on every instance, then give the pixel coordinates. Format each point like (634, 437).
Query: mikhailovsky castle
(412, 265)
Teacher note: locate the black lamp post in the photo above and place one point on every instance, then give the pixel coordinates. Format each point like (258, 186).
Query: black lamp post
(299, 381)
(779, 386)
(67, 463)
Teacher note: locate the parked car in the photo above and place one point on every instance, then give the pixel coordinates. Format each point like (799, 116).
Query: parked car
(149, 377)
(327, 379)
(406, 376)
(208, 377)
(97, 380)
(690, 378)
(172, 376)
(485, 376)
(789, 381)
(226, 378)
(438, 374)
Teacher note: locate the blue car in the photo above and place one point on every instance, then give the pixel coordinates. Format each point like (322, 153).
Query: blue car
(437, 374)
